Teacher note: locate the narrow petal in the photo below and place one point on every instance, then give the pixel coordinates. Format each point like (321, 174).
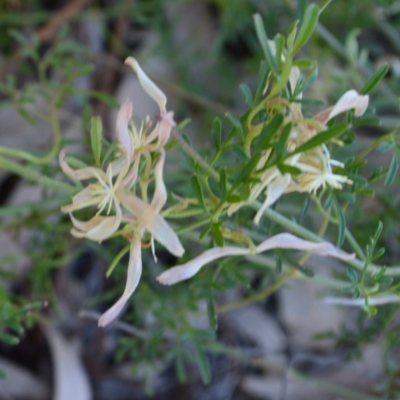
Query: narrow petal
(274, 191)
(81, 173)
(124, 137)
(98, 228)
(148, 85)
(164, 127)
(160, 191)
(191, 268)
(149, 219)
(349, 100)
(134, 273)
(289, 241)
(78, 205)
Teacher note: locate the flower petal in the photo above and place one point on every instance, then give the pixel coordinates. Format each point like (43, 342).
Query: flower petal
(134, 273)
(124, 137)
(274, 190)
(98, 228)
(148, 85)
(78, 205)
(349, 100)
(149, 219)
(81, 173)
(191, 268)
(160, 191)
(289, 241)
(164, 127)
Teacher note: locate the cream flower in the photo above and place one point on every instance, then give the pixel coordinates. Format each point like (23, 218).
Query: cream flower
(280, 241)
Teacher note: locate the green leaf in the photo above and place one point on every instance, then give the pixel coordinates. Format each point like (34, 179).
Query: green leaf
(180, 369)
(392, 172)
(280, 146)
(304, 211)
(385, 146)
(223, 182)
(291, 35)
(84, 70)
(351, 273)
(105, 98)
(3, 375)
(378, 232)
(342, 224)
(217, 234)
(262, 76)
(349, 197)
(378, 254)
(96, 138)
(375, 79)
(204, 232)
(304, 63)
(248, 97)
(307, 27)
(212, 315)
(288, 169)
(263, 39)
(239, 151)
(236, 123)
(198, 191)
(366, 120)
(283, 78)
(216, 132)
(278, 264)
(9, 339)
(279, 44)
(248, 168)
(202, 363)
(322, 137)
(268, 131)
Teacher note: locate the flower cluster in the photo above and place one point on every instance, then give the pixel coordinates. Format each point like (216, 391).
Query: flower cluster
(315, 166)
(112, 191)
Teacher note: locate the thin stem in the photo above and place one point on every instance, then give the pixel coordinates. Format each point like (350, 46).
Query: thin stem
(127, 328)
(376, 143)
(258, 296)
(35, 176)
(196, 156)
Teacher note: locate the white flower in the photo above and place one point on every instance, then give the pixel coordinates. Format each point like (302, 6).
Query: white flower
(315, 164)
(280, 241)
(111, 191)
(166, 119)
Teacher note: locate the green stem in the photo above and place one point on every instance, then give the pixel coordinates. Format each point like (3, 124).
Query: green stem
(258, 296)
(376, 143)
(330, 387)
(196, 156)
(35, 176)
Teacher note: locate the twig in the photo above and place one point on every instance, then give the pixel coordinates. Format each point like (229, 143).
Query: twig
(131, 330)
